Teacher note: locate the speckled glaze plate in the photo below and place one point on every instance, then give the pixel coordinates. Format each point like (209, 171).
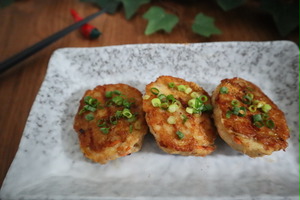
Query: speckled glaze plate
(50, 165)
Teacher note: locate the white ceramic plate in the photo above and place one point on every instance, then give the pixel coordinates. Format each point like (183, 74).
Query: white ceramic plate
(50, 165)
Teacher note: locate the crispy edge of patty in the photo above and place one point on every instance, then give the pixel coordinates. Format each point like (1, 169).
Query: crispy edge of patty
(198, 142)
(119, 141)
(238, 140)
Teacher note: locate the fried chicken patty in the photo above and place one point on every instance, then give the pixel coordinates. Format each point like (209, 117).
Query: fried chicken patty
(178, 114)
(247, 119)
(110, 122)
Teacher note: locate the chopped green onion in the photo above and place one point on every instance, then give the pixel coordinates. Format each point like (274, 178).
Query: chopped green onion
(145, 97)
(242, 111)
(203, 98)
(246, 100)
(207, 107)
(126, 112)
(188, 90)
(235, 110)
(195, 95)
(108, 94)
(117, 100)
(104, 130)
(270, 124)
(260, 104)
(154, 91)
(118, 113)
(101, 123)
(180, 134)
(266, 108)
(192, 103)
(258, 124)
(89, 108)
(162, 97)
(235, 102)
(89, 117)
(257, 118)
(130, 128)
(264, 116)
(181, 88)
(126, 103)
(171, 85)
(252, 108)
(250, 96)
(171, 120)
(133, 118)
(113, 120)
(156, 102)
(117, 92)
(184, 118)
(172, 108)
(171, 98)
(189, 110)
(228, 114)
(224, 90)
(87, 99)
(164, 106)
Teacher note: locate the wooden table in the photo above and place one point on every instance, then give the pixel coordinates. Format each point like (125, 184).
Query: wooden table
(28, 21)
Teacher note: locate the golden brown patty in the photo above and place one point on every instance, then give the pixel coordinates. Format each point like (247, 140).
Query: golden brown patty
(247, 119)
(110, 122)
(178, 125)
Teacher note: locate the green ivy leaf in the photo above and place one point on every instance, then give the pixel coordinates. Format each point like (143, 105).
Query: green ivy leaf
(4, 3)
(131, 6)
(111, 5)
(204, 25)
(230, 4)
(158, 19)
(285, 14)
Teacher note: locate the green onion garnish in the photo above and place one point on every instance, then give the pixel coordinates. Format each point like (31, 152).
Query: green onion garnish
(126, 103)
(184, 118)
(235, 110)
(89, 117)
(188, 90)
(164, 106)
(203, 98)
(171, 85)
(117, 100)
(154, 91)
(181, 88)
(207, 107)
(270, 123)
(224, 90)
(130, 128)
(189, 110)
(171, 98)
(228, 114)
(113, 120)
(156, 102)
(108, 94)
(126, 112)
(117, 92)
(242, 111)
(101, 123)
(258, 124)
(162, 98)
(257, 118)
(171, 120)
(246, 99)
(145, 97)
(235, 102)
(252, 108)
(172, 108)
(192, 103)
(266, 108)
(89, 108)
(250, 96)
(180, 134)
(104, 130)
(195, 95)
(264, 116)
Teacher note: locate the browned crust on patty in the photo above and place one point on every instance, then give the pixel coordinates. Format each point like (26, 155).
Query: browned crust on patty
(198, 129)
(240, 132)
(123, 138)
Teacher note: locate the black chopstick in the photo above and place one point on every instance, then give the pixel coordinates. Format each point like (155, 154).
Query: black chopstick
(10, 62)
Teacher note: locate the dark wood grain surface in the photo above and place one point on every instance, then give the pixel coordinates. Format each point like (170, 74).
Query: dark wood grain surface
(26, 22)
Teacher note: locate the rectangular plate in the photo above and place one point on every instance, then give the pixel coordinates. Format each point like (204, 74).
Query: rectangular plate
(50, 165)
